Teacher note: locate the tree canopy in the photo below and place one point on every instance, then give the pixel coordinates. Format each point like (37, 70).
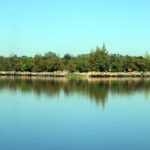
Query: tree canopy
(97, 60)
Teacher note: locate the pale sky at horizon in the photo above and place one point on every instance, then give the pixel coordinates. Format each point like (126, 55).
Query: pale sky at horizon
(28, 27)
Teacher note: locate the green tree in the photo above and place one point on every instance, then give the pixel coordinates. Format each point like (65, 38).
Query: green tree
(83, 63)
(116, 63)
(14, 63)
(38, 64)
(99, 60)
(72, 65)
(26, 63)
(53, 62)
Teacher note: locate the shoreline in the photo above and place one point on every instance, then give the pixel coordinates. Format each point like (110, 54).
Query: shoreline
(44, 74)
(77, 75)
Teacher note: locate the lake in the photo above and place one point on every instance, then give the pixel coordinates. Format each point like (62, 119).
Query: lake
(47, 114)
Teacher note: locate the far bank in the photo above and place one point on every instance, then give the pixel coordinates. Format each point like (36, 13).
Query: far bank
(77, 75)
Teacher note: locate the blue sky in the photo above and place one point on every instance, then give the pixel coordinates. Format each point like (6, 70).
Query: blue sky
(28, 27)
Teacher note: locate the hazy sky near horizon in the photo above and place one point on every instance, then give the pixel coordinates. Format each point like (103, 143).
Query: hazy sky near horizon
(28, 27)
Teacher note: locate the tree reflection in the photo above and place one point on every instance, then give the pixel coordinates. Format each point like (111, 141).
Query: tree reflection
(96, 90)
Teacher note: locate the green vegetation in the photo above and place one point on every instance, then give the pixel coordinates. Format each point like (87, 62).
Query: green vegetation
(98, 60)
(77, 76)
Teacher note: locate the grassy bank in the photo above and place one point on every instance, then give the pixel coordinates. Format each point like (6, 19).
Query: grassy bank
(118, 74)
(77, 75)
(43, 74)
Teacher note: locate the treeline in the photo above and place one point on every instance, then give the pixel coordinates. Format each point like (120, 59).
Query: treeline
(97, 60)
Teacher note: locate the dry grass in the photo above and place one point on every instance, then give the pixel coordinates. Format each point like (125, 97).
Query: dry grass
(78, 75)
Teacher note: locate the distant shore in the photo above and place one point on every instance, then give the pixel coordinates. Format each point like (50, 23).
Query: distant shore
(77, 75)
(18, 73)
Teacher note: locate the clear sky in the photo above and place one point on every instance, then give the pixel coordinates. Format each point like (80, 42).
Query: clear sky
(28, 27)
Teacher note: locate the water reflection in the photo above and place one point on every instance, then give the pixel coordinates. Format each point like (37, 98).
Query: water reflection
(96, 90)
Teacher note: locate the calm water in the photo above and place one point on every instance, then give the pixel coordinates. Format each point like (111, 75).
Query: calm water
(43, 114)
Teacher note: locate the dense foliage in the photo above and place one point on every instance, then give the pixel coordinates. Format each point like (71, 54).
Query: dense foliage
(97, 60)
